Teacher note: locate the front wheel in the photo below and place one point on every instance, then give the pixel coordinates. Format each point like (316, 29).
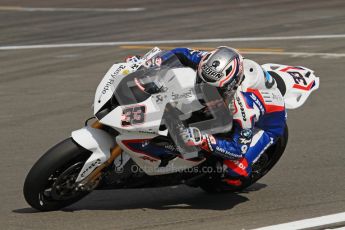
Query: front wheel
(50, 183)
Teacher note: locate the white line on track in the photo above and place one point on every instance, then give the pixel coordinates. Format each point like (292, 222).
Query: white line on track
(299, 54)
(49, 9)
(123, 43)
(120, 43)
(308, 223)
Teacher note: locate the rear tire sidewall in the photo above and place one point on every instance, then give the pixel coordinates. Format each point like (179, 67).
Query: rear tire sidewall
(62, 155)
(276, 151)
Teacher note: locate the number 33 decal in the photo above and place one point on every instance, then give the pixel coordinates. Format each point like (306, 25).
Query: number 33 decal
(133, 115)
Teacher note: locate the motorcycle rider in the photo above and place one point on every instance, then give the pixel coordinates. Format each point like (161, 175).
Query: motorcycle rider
(257, 106)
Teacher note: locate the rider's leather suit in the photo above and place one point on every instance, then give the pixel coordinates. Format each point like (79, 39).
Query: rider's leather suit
(258, 113)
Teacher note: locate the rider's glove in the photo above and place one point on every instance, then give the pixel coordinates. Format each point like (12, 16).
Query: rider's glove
(193, 137)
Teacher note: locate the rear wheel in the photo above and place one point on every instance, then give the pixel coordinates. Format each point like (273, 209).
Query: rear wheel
(259, 169)
(50, 183)
(269, 158)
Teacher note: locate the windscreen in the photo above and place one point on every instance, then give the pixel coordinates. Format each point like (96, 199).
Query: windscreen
(149, 79)
(153, 78)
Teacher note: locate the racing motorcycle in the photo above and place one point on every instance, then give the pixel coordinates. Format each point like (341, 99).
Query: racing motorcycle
(140, 107)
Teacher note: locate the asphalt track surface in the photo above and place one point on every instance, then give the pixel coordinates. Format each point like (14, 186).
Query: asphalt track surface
(47, 93)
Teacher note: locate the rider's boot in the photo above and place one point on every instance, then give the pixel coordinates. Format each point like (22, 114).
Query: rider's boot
(235, 170)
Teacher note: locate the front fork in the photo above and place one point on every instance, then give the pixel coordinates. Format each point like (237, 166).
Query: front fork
(104, 151)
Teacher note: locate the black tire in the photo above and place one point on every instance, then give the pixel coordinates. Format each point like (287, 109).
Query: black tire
(54, 163)
(273, 154)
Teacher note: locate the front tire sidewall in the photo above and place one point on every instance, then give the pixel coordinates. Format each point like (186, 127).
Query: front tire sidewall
(62, 155)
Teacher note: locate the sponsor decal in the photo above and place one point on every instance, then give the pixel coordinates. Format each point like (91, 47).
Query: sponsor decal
(298, 78)
(159, 98)
(244, 141)
(240, 165)
(243, 113)
(144, 144)
(125, 72)
(107, 86)
(245, 137)
(224, 151)
(136, 59)
(211, 73)
(244, 149)
(152, 52)
(135, 66)
(173, 148)
(148, 63)
(215, 64)
(133, 59)
(246, 133)
(153, 62)
(118, 70)
(185, 95)
(111, 80)
(91, 167)
(258, 103)
(146, 158)
(209, 145)
(133, 115)
(147, 131)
